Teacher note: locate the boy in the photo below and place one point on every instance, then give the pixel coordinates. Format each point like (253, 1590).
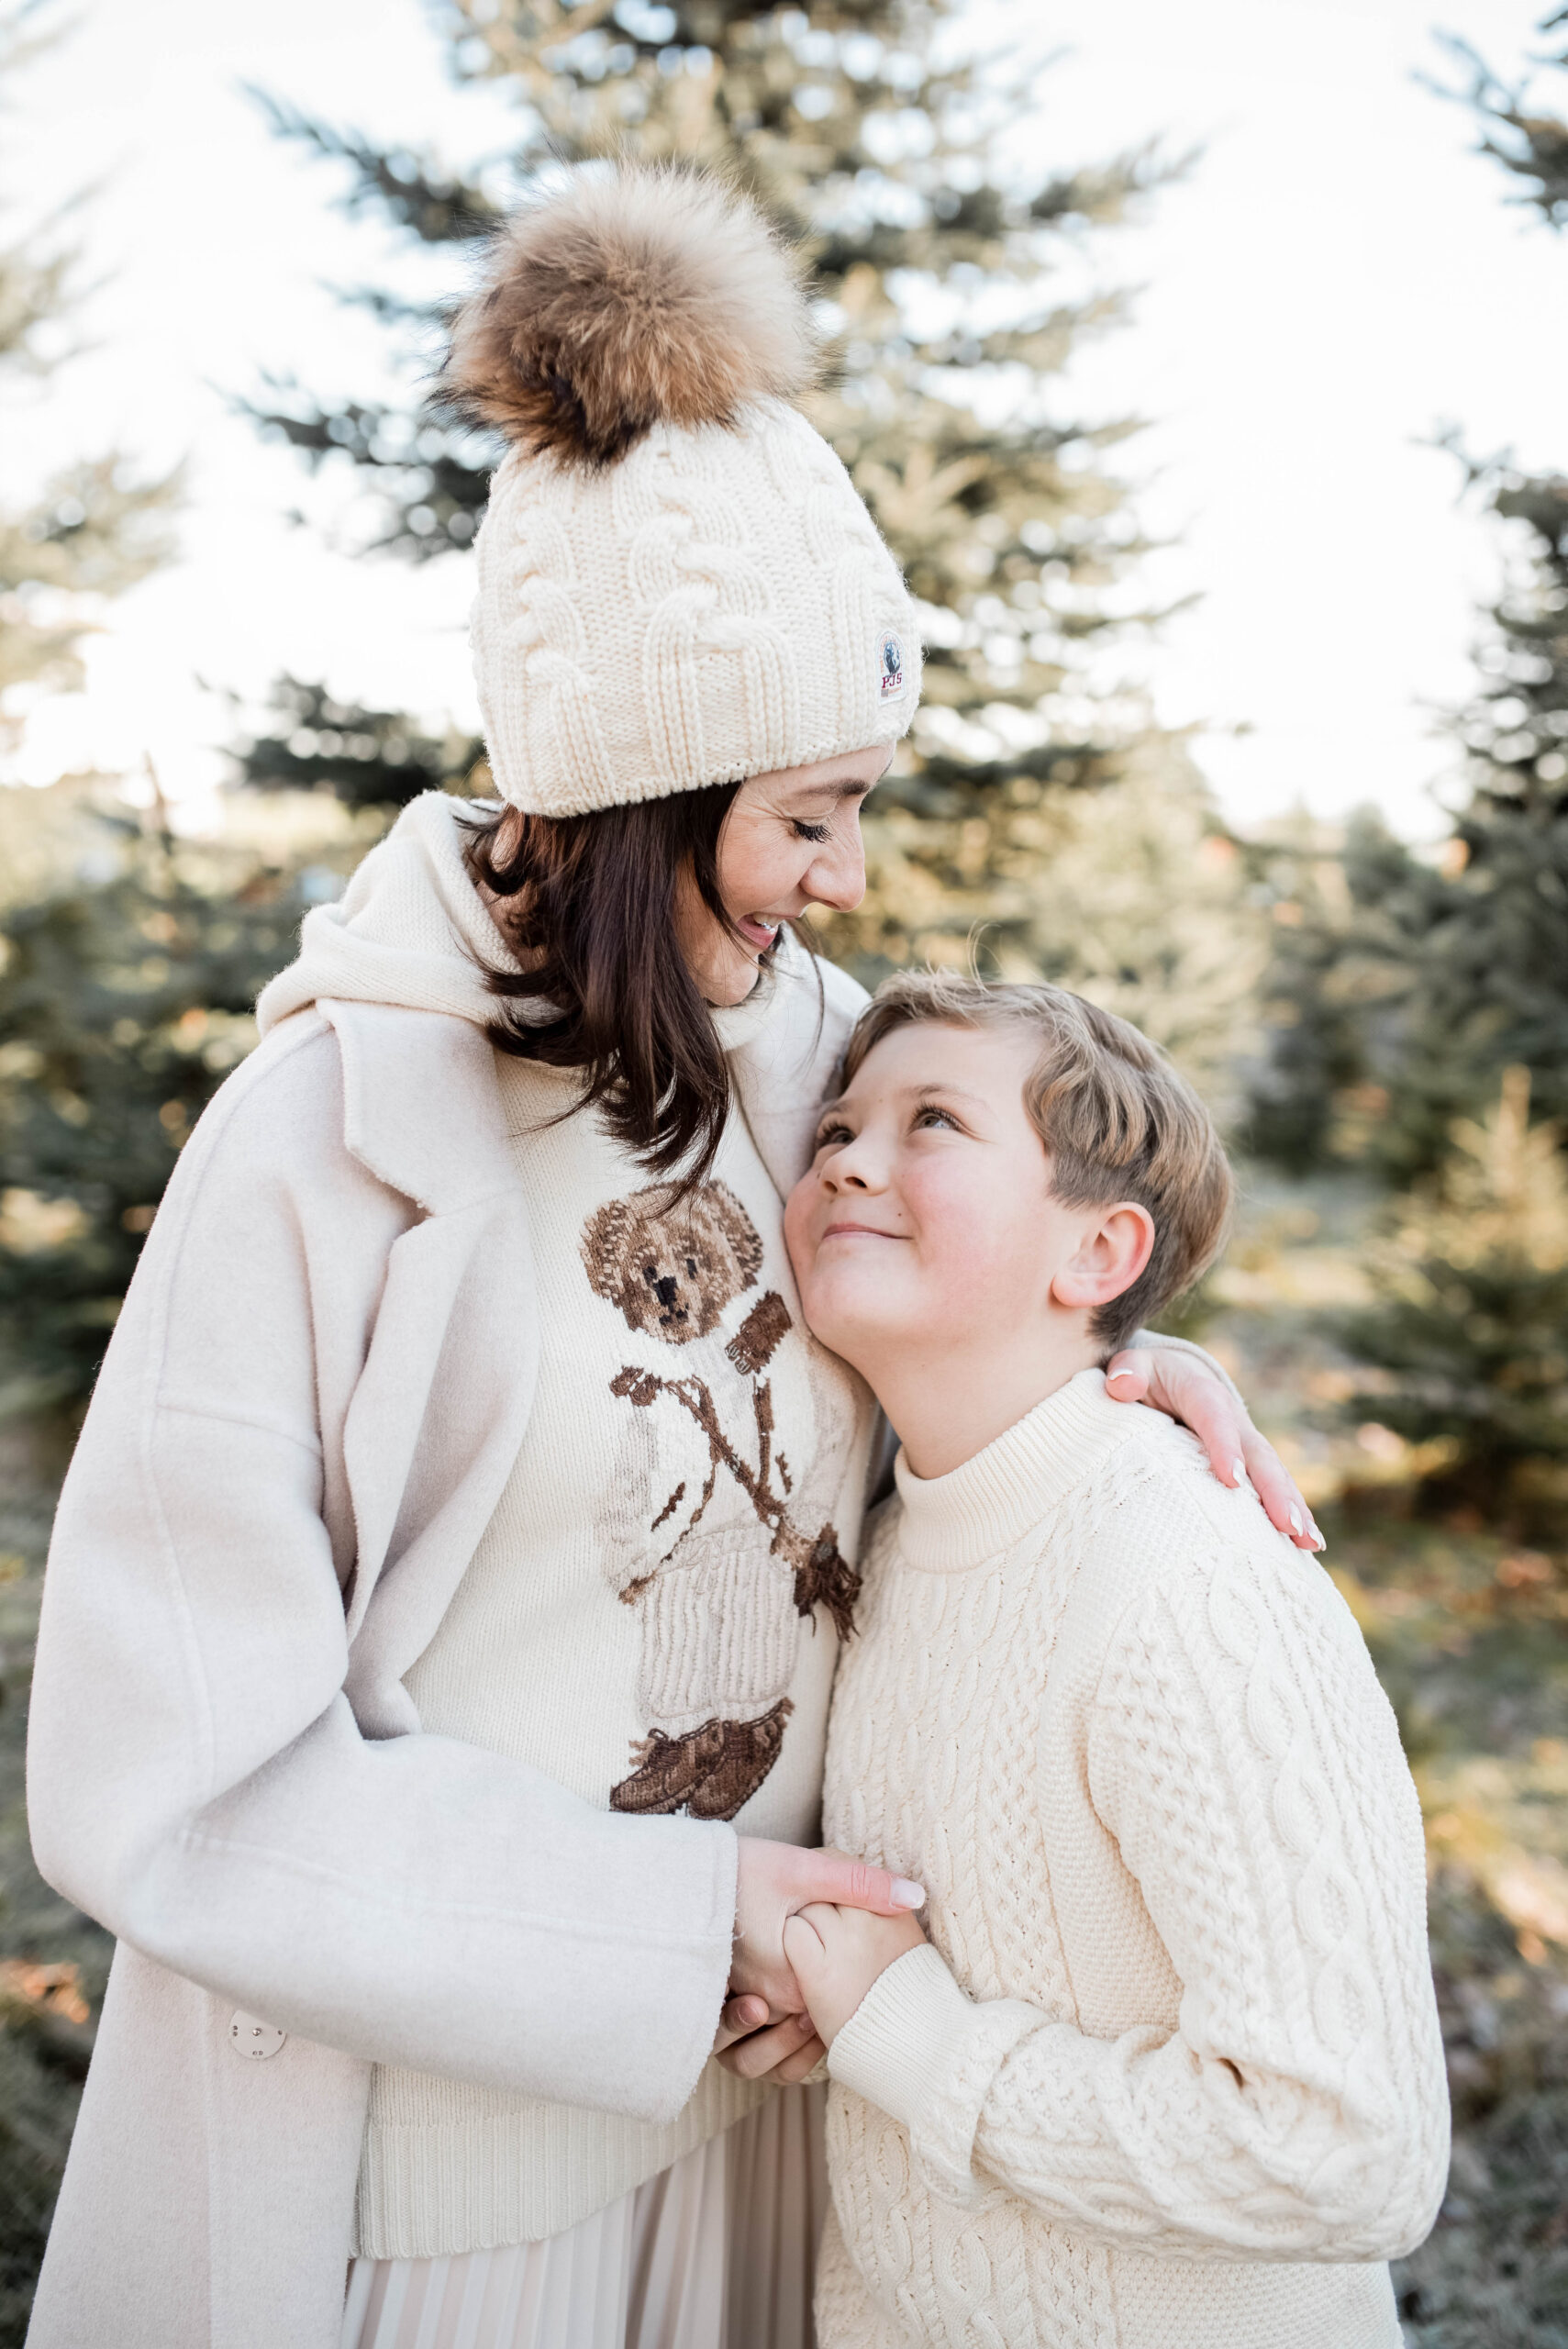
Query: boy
(1168, 2074)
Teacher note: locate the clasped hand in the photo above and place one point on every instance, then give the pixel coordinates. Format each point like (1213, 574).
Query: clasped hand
(813, 1930)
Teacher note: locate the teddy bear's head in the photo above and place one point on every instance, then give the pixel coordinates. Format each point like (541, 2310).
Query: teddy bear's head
(673, 1268)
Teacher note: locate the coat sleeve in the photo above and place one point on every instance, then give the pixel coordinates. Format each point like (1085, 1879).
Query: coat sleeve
(197, 1777)
(1248, 1766)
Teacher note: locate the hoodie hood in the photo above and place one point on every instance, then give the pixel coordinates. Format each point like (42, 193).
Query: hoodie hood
(412, 930)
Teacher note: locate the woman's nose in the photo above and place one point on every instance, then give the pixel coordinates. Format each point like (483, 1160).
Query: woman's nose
(837, 877)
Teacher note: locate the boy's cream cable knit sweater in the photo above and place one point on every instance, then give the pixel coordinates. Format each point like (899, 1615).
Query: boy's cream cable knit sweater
(1172, 2063)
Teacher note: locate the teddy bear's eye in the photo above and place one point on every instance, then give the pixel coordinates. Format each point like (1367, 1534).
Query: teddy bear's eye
(650, 1274)
(692, 1266)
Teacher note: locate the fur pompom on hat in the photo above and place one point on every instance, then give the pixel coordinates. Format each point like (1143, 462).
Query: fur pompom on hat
(678, 582)
(623, 302)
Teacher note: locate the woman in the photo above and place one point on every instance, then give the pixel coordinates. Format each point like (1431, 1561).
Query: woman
(433, 1678)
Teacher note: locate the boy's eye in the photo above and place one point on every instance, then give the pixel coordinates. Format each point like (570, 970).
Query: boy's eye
(804, 831)
(931, 1115)
(832, 1137)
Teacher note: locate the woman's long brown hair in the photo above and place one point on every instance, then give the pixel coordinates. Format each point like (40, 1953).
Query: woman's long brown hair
(588, 905)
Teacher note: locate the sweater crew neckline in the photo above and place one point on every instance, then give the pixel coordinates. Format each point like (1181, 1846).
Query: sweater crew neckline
(973, 1513)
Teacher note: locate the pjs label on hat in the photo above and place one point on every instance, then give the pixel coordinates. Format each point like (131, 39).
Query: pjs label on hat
(892, 666)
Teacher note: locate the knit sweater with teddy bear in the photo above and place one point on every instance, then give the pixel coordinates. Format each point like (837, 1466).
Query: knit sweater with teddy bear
(1169, 2074)
(652, 1616)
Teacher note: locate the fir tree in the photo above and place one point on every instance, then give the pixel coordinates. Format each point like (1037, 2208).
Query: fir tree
(1484, 939)
(1472, 1281)
(96, 527)
(1488, 952)
(1354, 914)
(365, 758)
(1528, 142)
(125, 1001)
(128, 964)
(1428, 977)
(950, 287)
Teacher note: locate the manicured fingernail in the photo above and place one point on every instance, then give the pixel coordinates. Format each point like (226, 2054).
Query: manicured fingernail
(1318, 1538)
(907, 1894)
(1112, 1376)
(1295, 1520)
(1238, 1472)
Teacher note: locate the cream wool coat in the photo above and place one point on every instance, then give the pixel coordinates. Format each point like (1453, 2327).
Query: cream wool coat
(313, 1398)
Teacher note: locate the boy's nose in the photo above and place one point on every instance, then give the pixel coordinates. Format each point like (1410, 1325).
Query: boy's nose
(848, 1169)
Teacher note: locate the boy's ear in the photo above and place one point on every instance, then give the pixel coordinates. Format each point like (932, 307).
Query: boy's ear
(1110, 1256)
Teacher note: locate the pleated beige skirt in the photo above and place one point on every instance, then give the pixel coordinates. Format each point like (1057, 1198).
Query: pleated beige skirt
(718, 2251)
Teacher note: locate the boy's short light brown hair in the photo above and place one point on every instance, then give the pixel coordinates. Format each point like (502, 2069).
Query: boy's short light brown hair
(1116, 1120)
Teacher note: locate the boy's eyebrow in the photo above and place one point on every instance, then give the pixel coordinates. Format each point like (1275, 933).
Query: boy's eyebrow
(926, 1092)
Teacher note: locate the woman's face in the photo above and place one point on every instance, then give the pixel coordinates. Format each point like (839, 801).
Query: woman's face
(790, 840)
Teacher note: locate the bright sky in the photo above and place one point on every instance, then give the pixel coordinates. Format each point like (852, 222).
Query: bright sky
(1340, 275)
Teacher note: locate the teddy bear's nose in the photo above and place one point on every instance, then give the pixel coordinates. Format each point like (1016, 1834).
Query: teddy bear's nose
(667, 1291)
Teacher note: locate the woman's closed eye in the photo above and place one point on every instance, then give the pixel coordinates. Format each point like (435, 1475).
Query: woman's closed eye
(804, 832)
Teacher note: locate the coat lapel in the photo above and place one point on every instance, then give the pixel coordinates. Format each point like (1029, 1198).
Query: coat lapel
(448, 1381)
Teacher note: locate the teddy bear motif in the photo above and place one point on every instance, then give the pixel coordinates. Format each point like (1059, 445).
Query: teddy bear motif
(722, 1612)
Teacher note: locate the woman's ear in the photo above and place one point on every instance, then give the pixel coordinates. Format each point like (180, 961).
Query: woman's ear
(1113, 1252)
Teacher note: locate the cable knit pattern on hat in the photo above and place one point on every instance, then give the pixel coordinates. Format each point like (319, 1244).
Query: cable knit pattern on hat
(696, 594)
(717, 605)
(1169, 2075)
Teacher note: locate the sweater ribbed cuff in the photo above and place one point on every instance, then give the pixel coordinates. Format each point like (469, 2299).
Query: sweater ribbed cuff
(927, 2053)
(903, 2044)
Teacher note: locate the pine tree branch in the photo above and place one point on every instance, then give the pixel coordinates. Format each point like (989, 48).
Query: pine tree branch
(437, 207)
(1531, 146)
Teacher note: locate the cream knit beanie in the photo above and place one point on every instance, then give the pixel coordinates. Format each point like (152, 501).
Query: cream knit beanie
(678, 582)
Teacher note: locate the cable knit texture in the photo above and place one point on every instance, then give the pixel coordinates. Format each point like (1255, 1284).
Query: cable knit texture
(717, 605)
(1169, 2075)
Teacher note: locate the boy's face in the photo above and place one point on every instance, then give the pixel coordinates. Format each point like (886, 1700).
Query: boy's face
(926, 1219)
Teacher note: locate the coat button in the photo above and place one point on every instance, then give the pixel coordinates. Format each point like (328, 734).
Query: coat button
(253, 2040)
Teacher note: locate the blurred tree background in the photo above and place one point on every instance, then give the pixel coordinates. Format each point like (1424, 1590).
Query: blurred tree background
(1384, 1031)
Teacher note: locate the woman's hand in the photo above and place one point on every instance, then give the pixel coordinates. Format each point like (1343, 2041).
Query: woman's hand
(785, 2053)
(764, 2028)
(837, 1955)
(1187, 1390)
(774, 1882)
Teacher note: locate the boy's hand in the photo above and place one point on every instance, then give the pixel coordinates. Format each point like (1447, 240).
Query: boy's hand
(838, 1954)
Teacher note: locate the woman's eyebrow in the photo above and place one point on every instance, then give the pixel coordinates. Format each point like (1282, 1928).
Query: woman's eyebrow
(817, 793)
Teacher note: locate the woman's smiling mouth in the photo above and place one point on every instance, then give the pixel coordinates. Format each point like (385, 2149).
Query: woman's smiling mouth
(757, 931)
